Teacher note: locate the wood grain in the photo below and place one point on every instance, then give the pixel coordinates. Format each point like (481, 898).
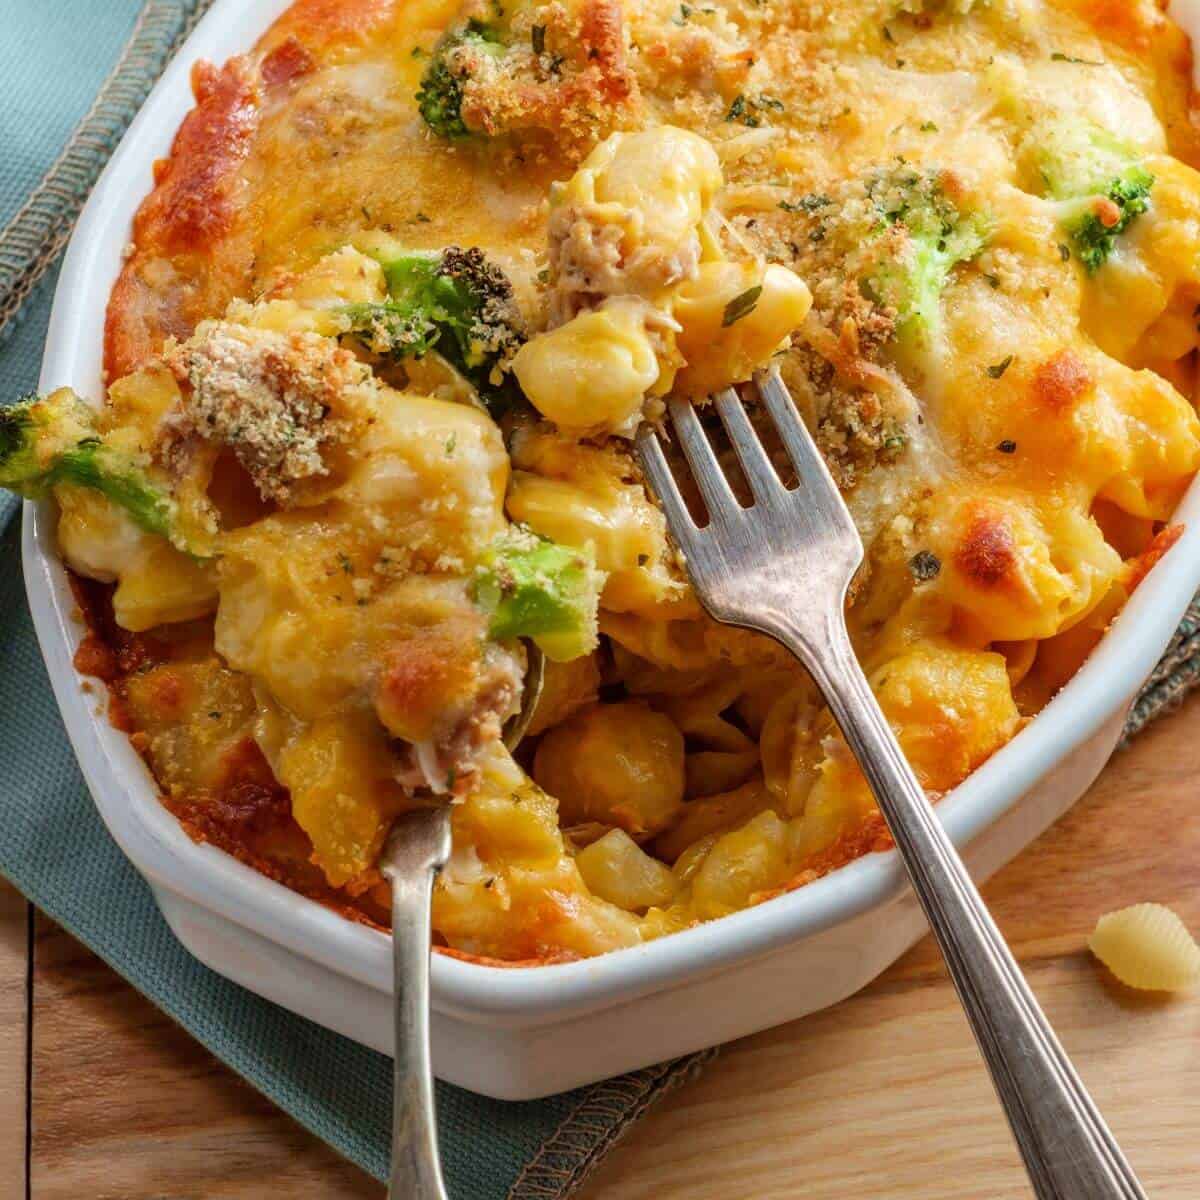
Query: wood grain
(881, 1097)
(14, 1028)
(126, 1106)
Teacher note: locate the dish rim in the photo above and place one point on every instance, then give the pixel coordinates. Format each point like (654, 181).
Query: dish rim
(151, 837)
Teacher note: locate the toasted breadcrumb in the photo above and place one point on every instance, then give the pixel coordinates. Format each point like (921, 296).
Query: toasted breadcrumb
(570, 80)
(274, 398)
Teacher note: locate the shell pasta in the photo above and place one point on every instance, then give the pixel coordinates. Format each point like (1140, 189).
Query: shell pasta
(411, 278)
(1147, 946)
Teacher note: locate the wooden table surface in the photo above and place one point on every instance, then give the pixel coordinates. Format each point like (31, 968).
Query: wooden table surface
(880, 1098)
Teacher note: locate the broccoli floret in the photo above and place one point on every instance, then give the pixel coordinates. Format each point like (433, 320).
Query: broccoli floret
(916, 236)
(1095, 233)
(1076, 158)
(456, 303)
(1100, 182)
(52, 441)
(533, 587)
(34, 433)
(457, 55)
(94, 465)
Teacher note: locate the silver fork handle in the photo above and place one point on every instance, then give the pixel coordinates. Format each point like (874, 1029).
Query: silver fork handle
(1068, 1150)
(416, 1171)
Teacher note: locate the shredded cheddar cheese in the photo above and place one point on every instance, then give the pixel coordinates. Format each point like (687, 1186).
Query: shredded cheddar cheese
(412, 276)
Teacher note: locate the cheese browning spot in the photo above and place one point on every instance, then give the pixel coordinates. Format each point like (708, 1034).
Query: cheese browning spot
(1001, 238)
(1060, 381)
(987, 554)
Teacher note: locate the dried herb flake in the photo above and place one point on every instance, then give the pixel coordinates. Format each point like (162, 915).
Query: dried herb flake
(809, 204)
(924, 565)
(741, 306)
(739, 110)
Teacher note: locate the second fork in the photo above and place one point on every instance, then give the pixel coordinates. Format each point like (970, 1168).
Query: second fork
(782, 566)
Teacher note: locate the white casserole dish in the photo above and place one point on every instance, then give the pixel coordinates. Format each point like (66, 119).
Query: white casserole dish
(523, 1033)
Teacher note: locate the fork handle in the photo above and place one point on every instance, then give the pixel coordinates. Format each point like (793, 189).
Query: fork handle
(416, 1172)
(1068, 1150)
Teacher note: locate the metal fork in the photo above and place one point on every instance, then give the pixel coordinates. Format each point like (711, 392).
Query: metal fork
(417, 848)
(782, 567)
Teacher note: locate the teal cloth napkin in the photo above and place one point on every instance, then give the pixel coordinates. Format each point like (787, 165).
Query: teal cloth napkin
(55, 849)
(57, 127)
(53, 141)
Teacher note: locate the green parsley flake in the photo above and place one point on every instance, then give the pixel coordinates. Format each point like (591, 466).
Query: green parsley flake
(741, 306)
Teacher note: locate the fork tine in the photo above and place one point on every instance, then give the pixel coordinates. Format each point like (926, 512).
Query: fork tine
(756, 466)
(792, 430)
(714, 487)
(815, 483)
(662, 482)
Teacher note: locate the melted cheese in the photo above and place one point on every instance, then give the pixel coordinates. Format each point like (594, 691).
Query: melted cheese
(1009, 463)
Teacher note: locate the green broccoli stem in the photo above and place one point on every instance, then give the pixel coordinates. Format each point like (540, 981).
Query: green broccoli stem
(93, 465)
(45, 443)
(914, 272)
(532, 587)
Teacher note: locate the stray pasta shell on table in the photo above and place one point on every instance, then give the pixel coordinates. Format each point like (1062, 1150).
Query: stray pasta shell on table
(1147, 946)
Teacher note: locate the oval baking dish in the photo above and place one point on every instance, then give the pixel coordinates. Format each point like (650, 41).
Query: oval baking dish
(521, 1033)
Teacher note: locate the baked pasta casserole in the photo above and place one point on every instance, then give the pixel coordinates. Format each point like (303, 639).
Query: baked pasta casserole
(404, 289)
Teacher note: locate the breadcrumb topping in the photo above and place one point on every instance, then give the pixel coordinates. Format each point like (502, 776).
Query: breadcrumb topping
(274, 398)
(564, 73)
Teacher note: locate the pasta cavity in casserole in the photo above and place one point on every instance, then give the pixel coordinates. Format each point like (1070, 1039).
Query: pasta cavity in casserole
(411, 277)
